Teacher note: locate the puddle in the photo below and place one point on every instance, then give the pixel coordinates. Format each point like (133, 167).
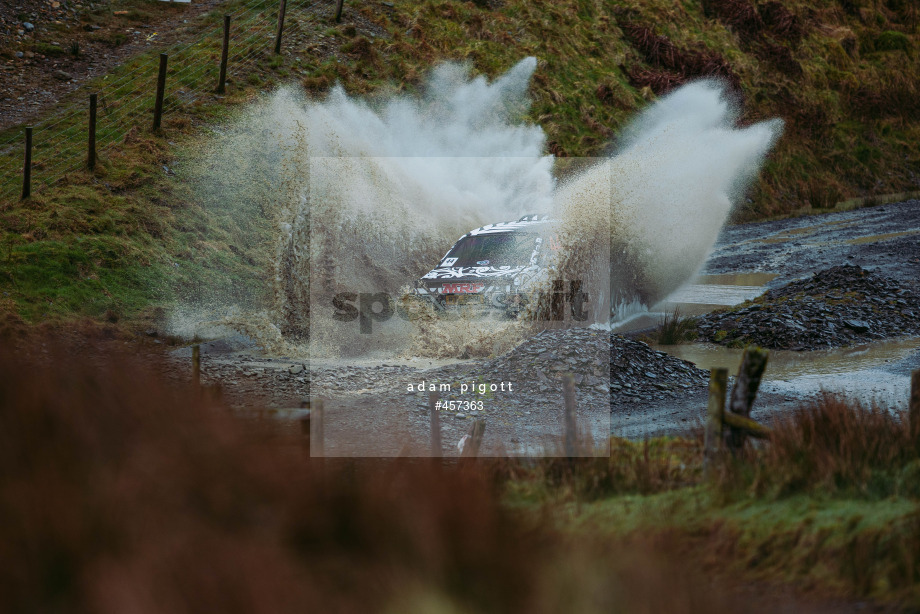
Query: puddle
(867, 371)
(788, 235)
(719, 295)
(706, 293)
(808, 231)
(868, 386)
(709, 292)
(383, 359)
(879, 238)
(736, 279)
(800, 233)
(786, 363)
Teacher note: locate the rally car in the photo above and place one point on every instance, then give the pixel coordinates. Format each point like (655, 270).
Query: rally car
(493, 267)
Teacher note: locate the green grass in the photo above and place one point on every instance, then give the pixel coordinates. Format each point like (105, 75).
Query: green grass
(838, 144)
(52, 51)
(831, 502)
(128, 238)
(675, 329)
(860, 549)
(118, 242)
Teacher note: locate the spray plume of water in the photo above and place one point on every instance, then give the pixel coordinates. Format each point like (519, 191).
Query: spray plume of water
(367, 196)
(680, 168)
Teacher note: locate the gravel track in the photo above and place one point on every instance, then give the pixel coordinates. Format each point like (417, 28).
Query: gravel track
(372, 413)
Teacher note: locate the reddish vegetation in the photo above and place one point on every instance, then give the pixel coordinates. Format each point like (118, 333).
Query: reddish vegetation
(838, 445)
(761, 30)
(781, 22)
(556, 149)
(898, 97)
(605, 93)
(771, 18)
(660, 81)
(674, 65)
(779, 56)
(739, 14)
(120, 494)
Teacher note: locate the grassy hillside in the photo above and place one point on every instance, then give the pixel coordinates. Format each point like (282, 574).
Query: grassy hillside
(843, 74)
(830, 504)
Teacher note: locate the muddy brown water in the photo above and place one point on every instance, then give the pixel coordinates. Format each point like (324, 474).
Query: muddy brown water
(749, 259)
(869, 372)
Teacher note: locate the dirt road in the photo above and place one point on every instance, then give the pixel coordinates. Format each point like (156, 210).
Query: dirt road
(371, 412)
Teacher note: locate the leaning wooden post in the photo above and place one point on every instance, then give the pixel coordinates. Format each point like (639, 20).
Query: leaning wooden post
(568, 395)
(435, 424)
(280, 26)
(338, 10)
(161, 88)
(718, 379)
(222, 79)
(196, 365)
(27, 166)
(317, 434)
(91, 145)
(914, 412)
(471, 447)
(744, 392)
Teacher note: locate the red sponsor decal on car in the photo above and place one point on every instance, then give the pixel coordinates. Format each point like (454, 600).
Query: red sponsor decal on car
(462, 288)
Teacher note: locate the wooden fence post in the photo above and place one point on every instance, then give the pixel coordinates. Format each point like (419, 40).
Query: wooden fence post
(91, 146)
(471, 447)
(914, 411)
(753, 363)
(161, 87)
(196, 365)
(27, 166)
(280, 26)
(718, 379)
(338, 10)
(568, 395)
(435, 424)
(222, 79)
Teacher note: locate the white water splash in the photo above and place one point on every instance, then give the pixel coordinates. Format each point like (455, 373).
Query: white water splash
(681, 166)
(366, 196)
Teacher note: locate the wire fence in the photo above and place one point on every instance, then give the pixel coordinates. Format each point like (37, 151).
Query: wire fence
(126, 98)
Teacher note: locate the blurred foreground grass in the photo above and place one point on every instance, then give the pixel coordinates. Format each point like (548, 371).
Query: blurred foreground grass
(121, 490)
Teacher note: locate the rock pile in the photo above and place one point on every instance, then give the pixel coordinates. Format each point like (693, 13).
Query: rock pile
(638, 372)
(541, 360)
(631, 369)
(835, 307)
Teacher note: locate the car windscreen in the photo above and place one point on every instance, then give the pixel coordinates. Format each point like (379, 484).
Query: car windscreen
(503, 249)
